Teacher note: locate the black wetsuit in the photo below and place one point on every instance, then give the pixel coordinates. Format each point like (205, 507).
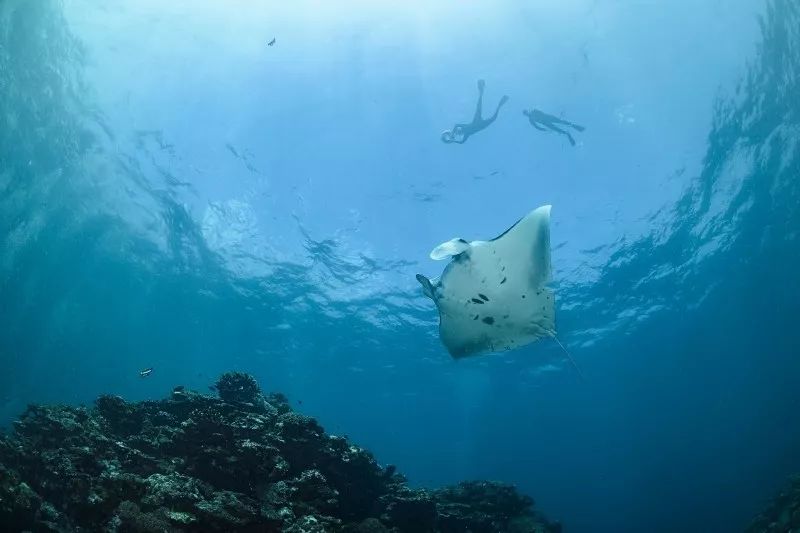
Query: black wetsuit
(461, 132)
(549, 122)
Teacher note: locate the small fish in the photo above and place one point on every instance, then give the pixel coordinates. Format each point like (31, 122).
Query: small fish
(272, 42)
(212, 387)
(179, 389)
(146, 372)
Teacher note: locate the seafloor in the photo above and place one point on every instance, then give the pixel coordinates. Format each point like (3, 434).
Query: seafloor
(242, 461)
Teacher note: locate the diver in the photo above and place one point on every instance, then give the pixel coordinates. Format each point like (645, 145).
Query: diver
(461, 132)
(548, 122)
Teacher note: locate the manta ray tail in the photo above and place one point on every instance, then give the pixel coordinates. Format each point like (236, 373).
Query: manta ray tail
(571, 360)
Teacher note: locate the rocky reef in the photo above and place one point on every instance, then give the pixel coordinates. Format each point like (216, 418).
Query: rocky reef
(782, 514)
(240, 461)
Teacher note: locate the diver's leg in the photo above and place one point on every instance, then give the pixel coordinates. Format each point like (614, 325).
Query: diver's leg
(572, 125)
(479, 106)
(503, 100)
(562, 132)
(568, 123)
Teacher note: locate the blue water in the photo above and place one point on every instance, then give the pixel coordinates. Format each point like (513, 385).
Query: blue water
(174, 193)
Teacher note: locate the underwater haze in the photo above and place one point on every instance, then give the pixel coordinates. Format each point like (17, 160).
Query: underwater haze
(177, 193)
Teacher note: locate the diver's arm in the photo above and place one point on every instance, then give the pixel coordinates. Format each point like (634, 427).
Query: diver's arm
(464, 130)
(537, 126)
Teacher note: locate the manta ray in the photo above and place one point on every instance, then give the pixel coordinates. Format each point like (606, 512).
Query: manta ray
(494, 295)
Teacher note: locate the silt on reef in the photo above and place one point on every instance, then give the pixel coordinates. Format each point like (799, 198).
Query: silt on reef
(242, 462)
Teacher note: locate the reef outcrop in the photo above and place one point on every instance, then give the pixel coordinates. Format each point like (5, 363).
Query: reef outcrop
(239, 461)
(782, 514)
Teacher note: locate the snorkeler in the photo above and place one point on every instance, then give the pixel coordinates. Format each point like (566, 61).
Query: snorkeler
(549, 122)
(461, 132)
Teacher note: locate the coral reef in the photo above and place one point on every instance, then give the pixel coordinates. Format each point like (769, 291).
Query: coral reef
(238, 387)
(782, 514)
(243, 461)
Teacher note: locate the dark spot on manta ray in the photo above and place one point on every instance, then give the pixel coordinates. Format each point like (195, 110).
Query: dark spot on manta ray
(505, 316)
(483, 297)
(475, 300)
(504, 280)
(523, 296)
(488, 320)
(476, 317)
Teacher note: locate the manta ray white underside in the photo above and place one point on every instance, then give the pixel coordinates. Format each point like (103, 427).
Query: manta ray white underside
(494, 295)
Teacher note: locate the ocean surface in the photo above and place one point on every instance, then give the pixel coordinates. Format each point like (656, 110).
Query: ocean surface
(176, 193)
